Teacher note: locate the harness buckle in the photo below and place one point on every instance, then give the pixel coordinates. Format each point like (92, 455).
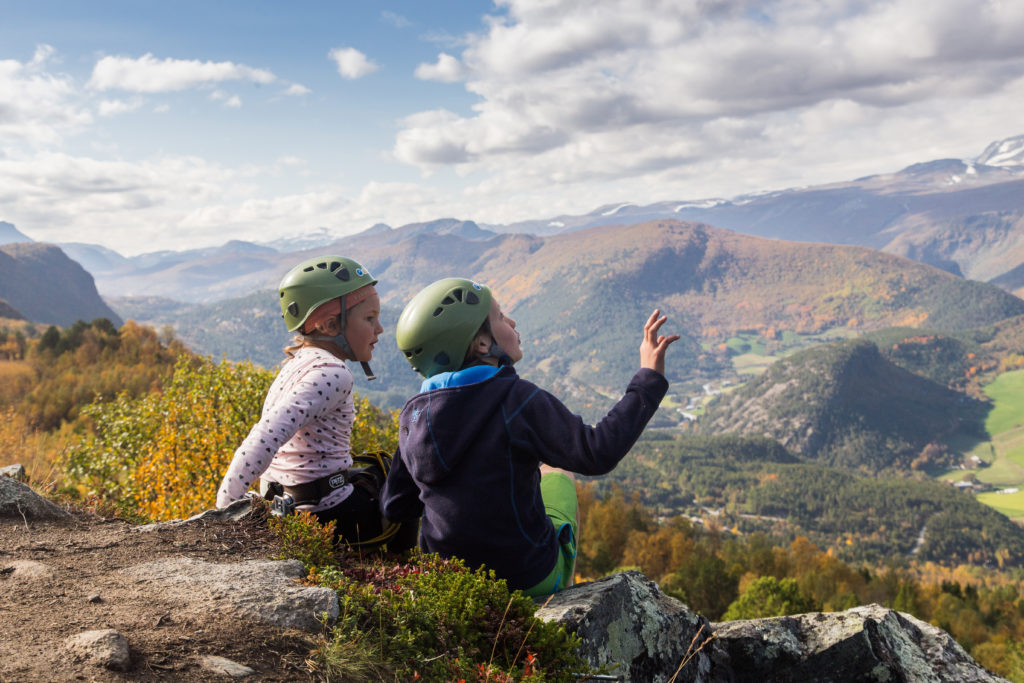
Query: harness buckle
(282, 506)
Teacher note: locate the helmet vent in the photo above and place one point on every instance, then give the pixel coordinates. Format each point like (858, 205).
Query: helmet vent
(408, 354)
(307, 269)
(472, 298)
(334, 266)
(447, 301)
(293, 309)
(438, 311)
(322, 265)
(343, 275)
(457, 293)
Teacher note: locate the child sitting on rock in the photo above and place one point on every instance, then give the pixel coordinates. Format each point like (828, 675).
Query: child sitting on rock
(472, 443)
(300, 446)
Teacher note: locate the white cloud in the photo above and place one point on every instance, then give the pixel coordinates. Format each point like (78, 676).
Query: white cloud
(297, 89)
(576, 92)
(396, 20)
(151, 75)
(229, 100)
(114, 107)
(447, 69)
(37, 107)
(352, 63)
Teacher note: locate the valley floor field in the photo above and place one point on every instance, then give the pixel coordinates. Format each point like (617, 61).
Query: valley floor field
(1003, 453)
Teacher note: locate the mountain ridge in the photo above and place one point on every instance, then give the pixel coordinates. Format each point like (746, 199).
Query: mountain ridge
(45, 285)
(963, 216)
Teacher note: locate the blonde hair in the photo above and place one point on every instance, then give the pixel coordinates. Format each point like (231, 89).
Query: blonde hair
(298, 342)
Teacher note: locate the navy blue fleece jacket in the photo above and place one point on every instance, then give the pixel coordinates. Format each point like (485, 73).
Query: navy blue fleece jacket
(468, 459)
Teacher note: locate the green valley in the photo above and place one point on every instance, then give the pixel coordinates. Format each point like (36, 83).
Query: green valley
(998, 462)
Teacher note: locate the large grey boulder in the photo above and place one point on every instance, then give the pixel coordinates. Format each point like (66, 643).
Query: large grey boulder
(267, 591)
(869, 643)
(629, 626)
(18, 501)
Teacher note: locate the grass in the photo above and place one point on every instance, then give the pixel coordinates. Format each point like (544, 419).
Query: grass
(1004, 450)
(1010, 504)
(752, 363)
(1007, 392)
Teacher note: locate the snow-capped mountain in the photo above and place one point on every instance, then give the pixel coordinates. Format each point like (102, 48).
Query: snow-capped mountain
(1008, 152)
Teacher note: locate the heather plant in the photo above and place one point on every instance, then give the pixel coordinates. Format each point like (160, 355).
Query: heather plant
(305, 539)
(435, 619)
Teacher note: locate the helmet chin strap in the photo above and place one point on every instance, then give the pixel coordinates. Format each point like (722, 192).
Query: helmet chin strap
(498, 353)
(342, 342)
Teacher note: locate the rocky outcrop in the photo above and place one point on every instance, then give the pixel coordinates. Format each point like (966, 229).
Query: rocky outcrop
(633, 629)
(20, 502)
(870, 643)
(639, 634)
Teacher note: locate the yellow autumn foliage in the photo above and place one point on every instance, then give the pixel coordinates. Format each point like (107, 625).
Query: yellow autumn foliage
(162, 456)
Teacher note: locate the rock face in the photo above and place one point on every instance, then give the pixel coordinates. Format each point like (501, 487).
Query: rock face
(19, 501)
(629, 626)
(266, 591)
(45, 286)
(870, 643)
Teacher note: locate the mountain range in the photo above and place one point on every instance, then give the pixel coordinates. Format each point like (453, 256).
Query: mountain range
(580, 299)
(964, 216)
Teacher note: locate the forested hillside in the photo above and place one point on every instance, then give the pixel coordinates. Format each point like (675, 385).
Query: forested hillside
(845, 404)
(753, 484)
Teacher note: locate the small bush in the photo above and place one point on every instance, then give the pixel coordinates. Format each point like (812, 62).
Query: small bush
(435, 619)
(304, 538)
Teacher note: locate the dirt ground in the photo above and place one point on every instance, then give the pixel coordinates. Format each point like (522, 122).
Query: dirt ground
(38, 613)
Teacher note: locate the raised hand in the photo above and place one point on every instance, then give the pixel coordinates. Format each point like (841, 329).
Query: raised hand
(654, 345)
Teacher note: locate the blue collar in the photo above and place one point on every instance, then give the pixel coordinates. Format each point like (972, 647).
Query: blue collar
(459, 378)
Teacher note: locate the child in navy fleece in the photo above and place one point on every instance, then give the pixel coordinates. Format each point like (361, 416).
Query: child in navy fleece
(472, 442)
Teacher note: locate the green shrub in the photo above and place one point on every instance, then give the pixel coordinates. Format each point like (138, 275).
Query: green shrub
(435, 619)
(304, 538)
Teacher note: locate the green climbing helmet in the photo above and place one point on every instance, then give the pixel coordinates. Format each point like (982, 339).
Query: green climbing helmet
(438, 325)
(316, 281)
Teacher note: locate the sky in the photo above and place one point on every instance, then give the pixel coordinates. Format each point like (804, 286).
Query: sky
(142, 125)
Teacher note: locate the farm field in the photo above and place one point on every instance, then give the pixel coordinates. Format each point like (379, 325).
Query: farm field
(1004, 451)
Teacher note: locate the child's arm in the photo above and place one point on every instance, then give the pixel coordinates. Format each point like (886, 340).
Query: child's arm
(561, 438)
(399, 501)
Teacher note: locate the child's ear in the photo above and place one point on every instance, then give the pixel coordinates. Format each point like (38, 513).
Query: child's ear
(481, 344)
(328, 327)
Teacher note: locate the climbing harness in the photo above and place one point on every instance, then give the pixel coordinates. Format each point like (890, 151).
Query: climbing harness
(369, 471)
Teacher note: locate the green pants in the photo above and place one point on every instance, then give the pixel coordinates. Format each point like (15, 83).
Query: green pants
(561, 506)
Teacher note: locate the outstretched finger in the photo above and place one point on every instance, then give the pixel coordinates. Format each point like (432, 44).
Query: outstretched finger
(653, 326)
(651, 319)
(664, 341)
